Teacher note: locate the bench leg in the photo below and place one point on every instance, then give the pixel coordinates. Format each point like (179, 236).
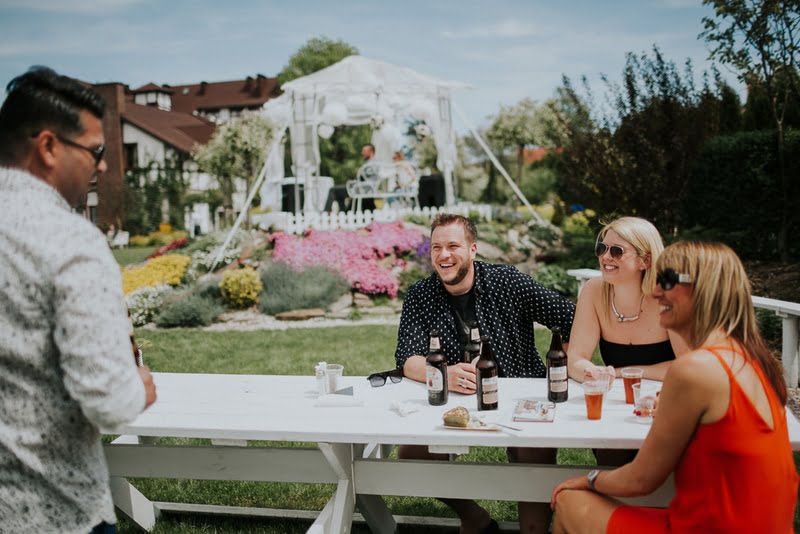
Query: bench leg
(133, 504)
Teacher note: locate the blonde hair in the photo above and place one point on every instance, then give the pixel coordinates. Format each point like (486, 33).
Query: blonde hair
(721, 298)
(646, 241)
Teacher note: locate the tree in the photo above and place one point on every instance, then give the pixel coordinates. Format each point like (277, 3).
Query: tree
(761, 39)
(316, 54)
(518, 126)
(237, 150)
(636, 157)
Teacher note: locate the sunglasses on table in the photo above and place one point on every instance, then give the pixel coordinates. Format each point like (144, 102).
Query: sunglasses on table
(376, 380)
(668, 279)
(616, 251)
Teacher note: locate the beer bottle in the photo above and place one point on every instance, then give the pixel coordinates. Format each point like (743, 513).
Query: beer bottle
(486, 375)
(473, 347)
(556, 369)
(436, 372)
(137, 352)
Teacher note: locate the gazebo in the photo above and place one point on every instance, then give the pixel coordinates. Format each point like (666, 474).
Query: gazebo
(356, 91)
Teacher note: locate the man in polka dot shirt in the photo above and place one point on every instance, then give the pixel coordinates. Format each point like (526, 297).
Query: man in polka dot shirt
(505, 304)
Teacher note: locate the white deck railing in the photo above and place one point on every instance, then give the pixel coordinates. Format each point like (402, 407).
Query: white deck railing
(351, 220)
(789, 312)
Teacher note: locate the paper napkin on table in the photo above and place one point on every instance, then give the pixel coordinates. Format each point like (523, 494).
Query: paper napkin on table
(405, 408)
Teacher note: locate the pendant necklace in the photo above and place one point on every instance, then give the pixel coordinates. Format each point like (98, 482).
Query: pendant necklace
(621, 318)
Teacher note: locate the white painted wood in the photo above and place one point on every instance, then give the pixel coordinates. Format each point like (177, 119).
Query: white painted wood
(133, 504)
(322, 524)
(344, 503)
(220, 463)
(508, 482)
(449, 449)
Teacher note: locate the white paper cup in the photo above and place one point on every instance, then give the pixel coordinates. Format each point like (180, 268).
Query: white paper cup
(333, 372)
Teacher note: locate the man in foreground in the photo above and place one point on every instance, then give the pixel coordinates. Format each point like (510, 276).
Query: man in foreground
(66, 365)
(504, 303)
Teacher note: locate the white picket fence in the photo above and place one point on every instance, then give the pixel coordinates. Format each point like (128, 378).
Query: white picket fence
(351, 220)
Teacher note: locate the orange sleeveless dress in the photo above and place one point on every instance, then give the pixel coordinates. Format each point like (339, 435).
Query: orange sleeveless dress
(737, 475)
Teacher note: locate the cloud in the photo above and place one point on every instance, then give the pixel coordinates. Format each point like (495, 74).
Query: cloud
(505, 29)
(73, 6)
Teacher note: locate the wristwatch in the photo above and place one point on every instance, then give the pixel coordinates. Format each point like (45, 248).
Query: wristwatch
(591, 477)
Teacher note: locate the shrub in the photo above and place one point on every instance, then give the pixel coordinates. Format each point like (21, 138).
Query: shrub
(208, 289)
(771, 328)
(145, 302)
(556, 278)
(169, 247)
(169, 270)
(194, 310)
(139, 241)
(240, 288)
(409, 277)
(286, 289)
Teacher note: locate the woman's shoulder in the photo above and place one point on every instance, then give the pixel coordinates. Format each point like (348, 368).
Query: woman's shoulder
(592, 291)
(698, 366)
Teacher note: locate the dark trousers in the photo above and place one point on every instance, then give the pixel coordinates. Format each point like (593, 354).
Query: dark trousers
(104, 528)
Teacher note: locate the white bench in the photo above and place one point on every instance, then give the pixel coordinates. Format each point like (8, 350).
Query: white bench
(120, 240)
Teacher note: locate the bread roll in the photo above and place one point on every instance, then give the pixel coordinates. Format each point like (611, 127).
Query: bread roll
(458, 416)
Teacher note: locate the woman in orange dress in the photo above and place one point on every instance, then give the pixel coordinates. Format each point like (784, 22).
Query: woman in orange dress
(721, 423)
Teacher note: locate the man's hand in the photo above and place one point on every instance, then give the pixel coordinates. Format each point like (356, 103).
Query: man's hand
(149, 386)
(461, 378)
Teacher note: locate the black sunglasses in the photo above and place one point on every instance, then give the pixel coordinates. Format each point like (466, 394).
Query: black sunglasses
(668, 279)
(97, 153)
(616, 251)
(376, 380)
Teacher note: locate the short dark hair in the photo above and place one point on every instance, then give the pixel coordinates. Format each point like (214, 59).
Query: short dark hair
(370, 145)
(445, 219)
(43, 99)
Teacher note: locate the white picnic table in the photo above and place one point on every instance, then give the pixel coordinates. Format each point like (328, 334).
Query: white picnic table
(353, 443)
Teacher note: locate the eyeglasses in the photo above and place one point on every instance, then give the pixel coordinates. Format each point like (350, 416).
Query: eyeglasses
(668, 279)
(376, 380)
(97, 153)
(616, 251)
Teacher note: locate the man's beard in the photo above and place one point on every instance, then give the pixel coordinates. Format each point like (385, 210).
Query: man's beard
(459, 277)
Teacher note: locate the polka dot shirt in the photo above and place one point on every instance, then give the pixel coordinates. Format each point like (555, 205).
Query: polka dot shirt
(507, 303)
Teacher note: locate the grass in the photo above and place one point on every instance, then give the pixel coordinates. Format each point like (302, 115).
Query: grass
(129, 255)
(362, 349)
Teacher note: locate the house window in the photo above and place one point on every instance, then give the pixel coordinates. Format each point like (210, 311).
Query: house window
(131, 159)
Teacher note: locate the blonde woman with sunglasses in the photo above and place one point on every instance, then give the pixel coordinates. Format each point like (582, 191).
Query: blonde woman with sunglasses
(721, 425)
(618, 310)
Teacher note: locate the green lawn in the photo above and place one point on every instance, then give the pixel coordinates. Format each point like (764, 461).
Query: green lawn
(128, 255)
(362, 349)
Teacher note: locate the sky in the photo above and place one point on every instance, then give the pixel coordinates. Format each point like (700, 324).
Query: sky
(505, 50)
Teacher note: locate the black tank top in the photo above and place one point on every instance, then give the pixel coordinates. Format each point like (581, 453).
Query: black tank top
(620, 355)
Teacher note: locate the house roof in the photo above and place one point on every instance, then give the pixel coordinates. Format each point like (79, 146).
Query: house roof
(181, 131)
(153, 87)
(237, 94)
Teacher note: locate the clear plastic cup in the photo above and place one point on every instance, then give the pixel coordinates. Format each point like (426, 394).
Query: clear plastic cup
(333, 372)
(593, 392)
(644, 400)
(631, 376)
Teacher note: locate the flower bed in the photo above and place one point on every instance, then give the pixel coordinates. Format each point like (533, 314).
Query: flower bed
(168, 270)
(356, 255)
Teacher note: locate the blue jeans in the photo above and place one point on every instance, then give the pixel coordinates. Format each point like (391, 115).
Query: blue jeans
(104, 528)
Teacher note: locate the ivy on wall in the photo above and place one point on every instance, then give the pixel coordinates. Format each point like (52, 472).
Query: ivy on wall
(145, 190)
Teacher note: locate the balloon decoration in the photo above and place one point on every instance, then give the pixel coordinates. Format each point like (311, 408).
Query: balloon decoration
(335, 113)
(325, 131)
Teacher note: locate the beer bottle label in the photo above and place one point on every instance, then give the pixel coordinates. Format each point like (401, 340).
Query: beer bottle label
(489, 388)
(435, 379)
(434, 344)
(558, 379)
(475, 335)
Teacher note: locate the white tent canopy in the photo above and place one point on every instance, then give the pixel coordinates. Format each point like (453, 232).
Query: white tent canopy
(358, 90)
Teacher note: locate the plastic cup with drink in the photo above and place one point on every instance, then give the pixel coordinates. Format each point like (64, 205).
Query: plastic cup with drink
(593, 392)
(631, 376)
(333, 372)
(644, 395)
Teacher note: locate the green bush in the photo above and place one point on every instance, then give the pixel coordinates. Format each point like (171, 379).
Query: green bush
(240, 288)
(409, 277)
(193, 310)
(285, 289)
(771, 328)
(208, 289)
(555, 277)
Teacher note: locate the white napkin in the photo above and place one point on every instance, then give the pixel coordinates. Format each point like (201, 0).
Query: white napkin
(405, 408)
(338, 400)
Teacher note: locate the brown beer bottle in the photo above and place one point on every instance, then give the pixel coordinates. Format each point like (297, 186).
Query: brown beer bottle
(473, 347)
(436, 371)
(556, 369)
(137, 352)
(486, 375)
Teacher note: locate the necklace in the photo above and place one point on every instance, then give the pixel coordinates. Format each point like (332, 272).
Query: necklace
(621, 318)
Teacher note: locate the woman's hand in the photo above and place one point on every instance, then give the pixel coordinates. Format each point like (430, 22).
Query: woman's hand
(577, 483)
(595, 372)
(461, 378)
